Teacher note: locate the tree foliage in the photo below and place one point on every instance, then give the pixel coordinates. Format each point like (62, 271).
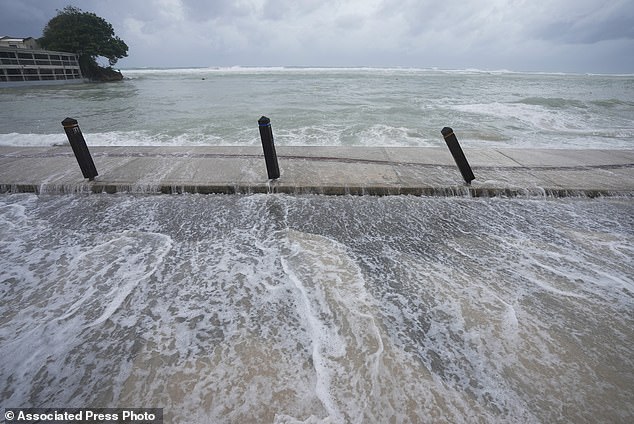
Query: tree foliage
(84, 34)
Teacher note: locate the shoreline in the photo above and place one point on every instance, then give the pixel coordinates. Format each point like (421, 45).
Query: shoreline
(377, 171)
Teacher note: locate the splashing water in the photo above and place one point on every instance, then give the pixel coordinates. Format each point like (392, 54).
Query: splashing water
(331, 107)
(311, 309)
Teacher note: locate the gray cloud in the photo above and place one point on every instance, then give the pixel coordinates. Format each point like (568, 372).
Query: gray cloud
(202, 11)
(26, 18)
(488, 34)
(592, 28)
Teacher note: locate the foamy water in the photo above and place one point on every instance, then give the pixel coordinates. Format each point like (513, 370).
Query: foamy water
(334, 107)
(312, 309)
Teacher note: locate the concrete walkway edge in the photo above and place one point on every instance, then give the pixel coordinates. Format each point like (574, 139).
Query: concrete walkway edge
(320, 170)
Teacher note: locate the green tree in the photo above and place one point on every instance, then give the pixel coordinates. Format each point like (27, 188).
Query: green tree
(86, 35)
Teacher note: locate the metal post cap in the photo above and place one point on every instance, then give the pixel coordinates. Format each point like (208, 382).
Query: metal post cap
(69, 123)
(446, 132)
(264, 121)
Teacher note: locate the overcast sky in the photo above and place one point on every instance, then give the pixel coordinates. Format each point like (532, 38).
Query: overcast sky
(594, 36)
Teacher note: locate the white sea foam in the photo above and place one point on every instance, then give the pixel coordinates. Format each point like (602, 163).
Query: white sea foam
(535, 116)
(331, 70)
(538, 123)
(32, 140)
(330, 106)
(272, 69)
(347, 344)
(117, 138)
(318, 135)
(312, 309)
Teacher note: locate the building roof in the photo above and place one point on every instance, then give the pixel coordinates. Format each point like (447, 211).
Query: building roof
(9, 38)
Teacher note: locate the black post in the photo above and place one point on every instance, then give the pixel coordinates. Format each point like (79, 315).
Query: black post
(458, 154)
(77, 142)
(266, 134)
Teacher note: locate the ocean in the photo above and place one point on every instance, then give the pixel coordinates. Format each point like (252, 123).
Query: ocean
(322, 309)
(333, 107)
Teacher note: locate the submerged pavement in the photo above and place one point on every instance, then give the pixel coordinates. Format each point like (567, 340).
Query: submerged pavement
(320, 170)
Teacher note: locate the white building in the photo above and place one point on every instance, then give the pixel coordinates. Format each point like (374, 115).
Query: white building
(22, 62)
(19, 43)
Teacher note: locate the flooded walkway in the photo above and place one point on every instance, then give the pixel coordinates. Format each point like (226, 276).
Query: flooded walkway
(321, 170)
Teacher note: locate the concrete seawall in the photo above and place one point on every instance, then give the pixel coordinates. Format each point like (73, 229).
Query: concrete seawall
(320, 170)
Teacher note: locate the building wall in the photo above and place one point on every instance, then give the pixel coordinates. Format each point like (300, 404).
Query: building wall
(19, 43)
(21, 64)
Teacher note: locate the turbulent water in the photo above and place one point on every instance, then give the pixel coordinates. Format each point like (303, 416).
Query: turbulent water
(348, 107)
(314, 309)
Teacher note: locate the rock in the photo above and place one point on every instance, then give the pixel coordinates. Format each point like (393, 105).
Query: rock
(106, 75)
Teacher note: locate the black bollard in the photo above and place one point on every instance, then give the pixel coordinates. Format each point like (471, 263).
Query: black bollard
(458, 154)
(77, 142)
(266, 134)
